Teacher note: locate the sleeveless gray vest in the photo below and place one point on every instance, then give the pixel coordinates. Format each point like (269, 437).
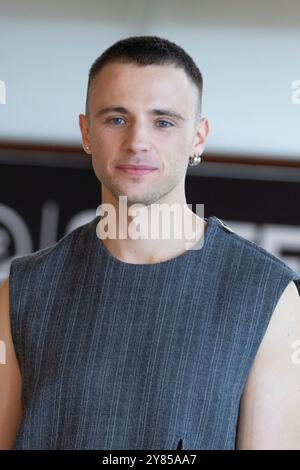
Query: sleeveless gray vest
(139, 356)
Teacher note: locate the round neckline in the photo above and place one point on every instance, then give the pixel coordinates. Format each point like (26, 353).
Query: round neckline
(211, 223)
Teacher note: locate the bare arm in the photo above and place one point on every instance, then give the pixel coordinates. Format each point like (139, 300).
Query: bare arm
(270, 407)
(10, 377)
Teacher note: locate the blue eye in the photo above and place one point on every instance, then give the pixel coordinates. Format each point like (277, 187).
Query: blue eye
(114, 119)
(166, 122)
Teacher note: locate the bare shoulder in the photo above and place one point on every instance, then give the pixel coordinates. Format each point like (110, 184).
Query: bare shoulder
(270, 407)
(4, 287)
(10, 376)
(4, 308)
(283, 328)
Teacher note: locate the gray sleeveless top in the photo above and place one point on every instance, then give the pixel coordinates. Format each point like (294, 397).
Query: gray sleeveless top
(139, 356)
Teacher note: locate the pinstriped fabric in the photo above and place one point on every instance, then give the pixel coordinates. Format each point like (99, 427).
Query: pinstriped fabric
(124, 356)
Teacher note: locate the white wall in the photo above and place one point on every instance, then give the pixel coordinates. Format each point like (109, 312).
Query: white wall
(247, 51)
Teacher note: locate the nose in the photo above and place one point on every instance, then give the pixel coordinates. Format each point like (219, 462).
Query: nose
(137, 138)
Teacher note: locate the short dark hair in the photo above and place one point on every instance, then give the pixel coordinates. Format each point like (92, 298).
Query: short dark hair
(148, 50)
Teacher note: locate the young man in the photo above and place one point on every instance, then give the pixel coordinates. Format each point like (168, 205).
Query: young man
(141, 343)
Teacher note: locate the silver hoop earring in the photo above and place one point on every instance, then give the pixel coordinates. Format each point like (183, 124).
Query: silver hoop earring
(194, 159)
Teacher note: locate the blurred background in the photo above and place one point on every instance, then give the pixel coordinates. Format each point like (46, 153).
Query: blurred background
(248, 53)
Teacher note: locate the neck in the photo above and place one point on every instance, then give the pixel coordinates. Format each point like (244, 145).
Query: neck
(154, 233)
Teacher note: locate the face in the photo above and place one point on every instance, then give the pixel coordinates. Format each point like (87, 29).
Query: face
(153, 125)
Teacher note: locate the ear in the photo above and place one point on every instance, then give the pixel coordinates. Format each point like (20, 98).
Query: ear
(84, 128)
(202, 131)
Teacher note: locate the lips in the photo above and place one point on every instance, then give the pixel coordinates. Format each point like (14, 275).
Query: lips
(136, 170)
(137, 167)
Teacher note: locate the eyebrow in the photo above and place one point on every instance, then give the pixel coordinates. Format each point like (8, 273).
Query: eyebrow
(155, 112)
